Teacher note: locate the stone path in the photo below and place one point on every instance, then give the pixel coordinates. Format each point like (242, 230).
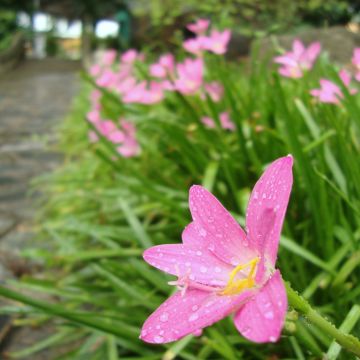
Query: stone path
(34, 98)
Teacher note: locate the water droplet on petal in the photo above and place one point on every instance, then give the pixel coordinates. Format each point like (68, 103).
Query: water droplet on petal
(269, 315)
(203, 269)
(164, 317)
(198, 253)
(272, 338)
(187, 264)
(202, 232)
(143, 333)
(194, 308)
(158, 339)
(193, 317)
(217, 269)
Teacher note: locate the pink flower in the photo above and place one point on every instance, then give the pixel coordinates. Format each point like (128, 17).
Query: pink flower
(299, 59)
(144, 93)
(109, 57)
(356, 62)
(226, 122)
(164, 67)
(129, 147)
(131, 55)
(190, 76)
(217, 42)
(199, 27)
(95, 70)
(223, 270)
(93, 116)
(215, 90)
(208, 122)
(194, 46)
(331, 93)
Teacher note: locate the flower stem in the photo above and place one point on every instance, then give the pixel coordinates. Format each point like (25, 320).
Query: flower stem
(348, 342)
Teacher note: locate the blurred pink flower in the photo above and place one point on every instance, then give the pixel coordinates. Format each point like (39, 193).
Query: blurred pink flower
(109, 57)
(129, 147)
(299, 59)
(95, 70)
(107, 79)
(226, 122)
(330, 92)
(356, 62)
(208, 122)
(164, 67)
(131, 55)
(223, 270)
(199, 27)
(93, 116)
(190, 76)
(145, 93)
(215, 90)
(194, 46)
(217, 42)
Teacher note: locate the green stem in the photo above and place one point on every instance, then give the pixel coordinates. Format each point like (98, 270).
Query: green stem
(348, 342)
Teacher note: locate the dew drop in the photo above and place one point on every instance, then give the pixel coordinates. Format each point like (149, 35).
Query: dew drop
(161, 332)
(143, 333)
(217, 269)
(272, 338)
(202, 232)
(198, 253)
(158, 339)
(194, 308)
(203, 269)
(161, 255)
(269, 315)
(187, 264)
(193, 317)
(164, 317)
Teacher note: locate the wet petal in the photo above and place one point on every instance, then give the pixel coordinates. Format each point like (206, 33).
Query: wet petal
(262, 318)
(223, 234)
(194, 236)
(181, 260)
(267, 207)
(181, 315)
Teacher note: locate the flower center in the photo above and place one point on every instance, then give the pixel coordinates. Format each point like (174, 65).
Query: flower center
(236, 286)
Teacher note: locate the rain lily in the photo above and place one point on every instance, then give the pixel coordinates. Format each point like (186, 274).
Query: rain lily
(199, 27)
(225, 121)
(217, 42)
(144, 93)
(190, 76)
(164, 67)
(129, 147)
(223, 270)
(194, 46)
(299, 59)
(129, 56)
(331, 93)
(109, 57)
(356, 62)
(215, 90)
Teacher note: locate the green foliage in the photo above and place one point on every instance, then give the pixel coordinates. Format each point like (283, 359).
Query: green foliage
(101, 211)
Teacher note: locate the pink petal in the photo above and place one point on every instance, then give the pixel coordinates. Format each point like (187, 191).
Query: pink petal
(262, 318)
(223, 234)
(267, 207)
(181, 260)
(181, 315)
(193, 236)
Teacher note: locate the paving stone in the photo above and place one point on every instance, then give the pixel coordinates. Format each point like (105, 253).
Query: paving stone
(33, 100)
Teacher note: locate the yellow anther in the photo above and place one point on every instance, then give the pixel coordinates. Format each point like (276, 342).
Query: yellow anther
(233, 286)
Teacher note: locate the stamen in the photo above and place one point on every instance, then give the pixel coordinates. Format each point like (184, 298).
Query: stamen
(233, 286)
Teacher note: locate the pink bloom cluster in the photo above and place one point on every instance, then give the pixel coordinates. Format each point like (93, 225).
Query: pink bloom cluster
(222, 269)
(122, 134)
(331, 93)
(295, 62)
(225, 121)
(216, 42)
(121, 79)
